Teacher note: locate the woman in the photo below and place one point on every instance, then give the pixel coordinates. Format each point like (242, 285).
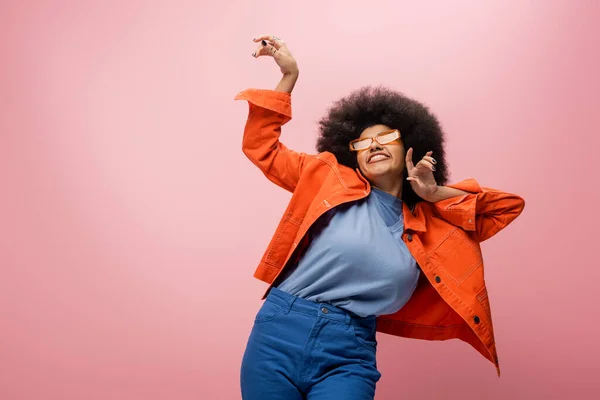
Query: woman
(372, 240)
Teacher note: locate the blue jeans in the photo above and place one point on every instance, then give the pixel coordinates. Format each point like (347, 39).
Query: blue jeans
(299, 349)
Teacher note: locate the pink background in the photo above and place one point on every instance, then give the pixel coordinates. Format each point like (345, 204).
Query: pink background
(131, 222)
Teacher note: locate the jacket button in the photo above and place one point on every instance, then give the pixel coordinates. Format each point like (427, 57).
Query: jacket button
(409, 237)
(476, 319)
(438, 279)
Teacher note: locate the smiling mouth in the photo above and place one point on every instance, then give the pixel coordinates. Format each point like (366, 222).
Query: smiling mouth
(377, 158)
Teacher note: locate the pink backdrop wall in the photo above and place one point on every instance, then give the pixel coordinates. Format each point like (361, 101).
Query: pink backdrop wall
(131, 222)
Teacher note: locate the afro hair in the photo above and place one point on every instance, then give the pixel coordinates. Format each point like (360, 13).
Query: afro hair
(369, 106)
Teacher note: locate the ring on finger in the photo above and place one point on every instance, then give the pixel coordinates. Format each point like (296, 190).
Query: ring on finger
(273, 50)
(275, 38)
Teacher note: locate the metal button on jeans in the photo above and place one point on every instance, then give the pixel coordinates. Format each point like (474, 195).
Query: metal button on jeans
(325, 311)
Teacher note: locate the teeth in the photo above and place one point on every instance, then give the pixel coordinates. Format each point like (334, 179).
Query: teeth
(377, 157)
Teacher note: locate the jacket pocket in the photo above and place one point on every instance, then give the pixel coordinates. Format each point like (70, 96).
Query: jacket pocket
(458, 256)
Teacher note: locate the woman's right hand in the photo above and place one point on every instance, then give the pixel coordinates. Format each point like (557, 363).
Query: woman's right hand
(272, 46)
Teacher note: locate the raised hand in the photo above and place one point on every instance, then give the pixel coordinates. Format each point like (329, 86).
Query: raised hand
(272, 46)
(421, 175)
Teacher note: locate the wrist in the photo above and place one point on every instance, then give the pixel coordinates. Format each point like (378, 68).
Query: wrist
(444, 192)
(292, 70)
(434, 194)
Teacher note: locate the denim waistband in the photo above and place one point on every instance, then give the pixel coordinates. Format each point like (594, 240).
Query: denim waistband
(323, 310)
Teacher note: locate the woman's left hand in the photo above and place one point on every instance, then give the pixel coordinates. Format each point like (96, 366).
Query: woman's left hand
(421, 175)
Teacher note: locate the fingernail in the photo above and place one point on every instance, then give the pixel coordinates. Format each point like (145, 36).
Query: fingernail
(433, 160)
(264, 43)
(253, 54)
(433, 168)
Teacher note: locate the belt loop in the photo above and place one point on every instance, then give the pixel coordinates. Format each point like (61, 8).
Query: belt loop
(348, 319)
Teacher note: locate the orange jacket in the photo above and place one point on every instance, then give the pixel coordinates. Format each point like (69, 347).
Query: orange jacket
(451, 300)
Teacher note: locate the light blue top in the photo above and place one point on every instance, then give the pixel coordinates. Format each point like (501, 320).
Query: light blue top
(357, 259)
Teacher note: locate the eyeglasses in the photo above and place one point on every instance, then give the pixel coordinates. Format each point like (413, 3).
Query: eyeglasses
(381, 138)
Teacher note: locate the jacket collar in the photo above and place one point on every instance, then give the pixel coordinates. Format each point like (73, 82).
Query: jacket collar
(414, 220)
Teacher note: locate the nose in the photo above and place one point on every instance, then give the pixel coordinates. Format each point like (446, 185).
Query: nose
(375, 145)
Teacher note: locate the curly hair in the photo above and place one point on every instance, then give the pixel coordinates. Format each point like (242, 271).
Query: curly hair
(369, 106)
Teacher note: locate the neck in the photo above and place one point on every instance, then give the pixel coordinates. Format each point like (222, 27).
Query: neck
(393, 187)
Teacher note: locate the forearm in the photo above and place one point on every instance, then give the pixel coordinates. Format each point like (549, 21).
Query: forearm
(287, 82)
(445, 192)
(485, 211)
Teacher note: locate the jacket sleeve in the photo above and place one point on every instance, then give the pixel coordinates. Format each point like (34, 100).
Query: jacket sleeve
(484, 211)
(269, 111)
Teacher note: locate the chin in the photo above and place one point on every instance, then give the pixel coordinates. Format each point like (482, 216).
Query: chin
(379, 169)
(376, 174)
